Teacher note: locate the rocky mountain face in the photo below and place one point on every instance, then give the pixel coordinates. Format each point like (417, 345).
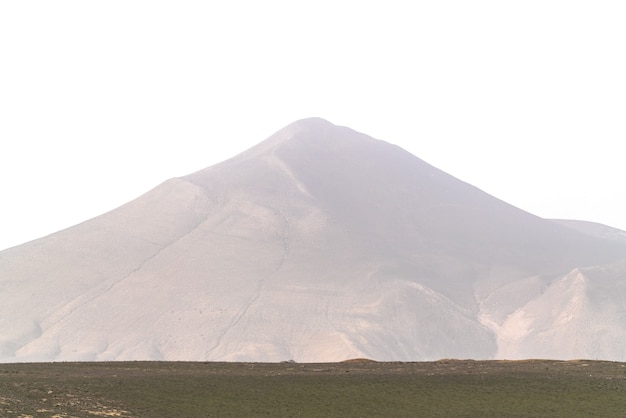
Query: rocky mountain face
(318, 244)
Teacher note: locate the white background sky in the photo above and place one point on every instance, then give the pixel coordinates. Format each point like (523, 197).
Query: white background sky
(102, 100)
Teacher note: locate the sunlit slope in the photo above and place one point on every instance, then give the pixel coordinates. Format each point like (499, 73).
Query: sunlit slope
(318, 244)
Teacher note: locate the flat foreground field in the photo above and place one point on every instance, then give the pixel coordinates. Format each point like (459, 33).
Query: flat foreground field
(446, 388)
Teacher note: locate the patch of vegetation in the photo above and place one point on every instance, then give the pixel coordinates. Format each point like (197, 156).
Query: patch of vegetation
(432, 389)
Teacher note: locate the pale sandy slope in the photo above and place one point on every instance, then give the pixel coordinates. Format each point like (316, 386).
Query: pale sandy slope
(319, 244)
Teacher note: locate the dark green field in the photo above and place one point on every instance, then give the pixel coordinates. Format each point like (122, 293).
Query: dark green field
(450, 388)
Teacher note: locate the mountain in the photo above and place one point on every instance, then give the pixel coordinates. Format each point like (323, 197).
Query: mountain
(318, 244)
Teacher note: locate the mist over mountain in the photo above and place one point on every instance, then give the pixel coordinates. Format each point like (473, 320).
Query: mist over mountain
(318, 244)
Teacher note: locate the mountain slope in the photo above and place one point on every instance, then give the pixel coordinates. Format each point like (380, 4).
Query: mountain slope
(318, 244)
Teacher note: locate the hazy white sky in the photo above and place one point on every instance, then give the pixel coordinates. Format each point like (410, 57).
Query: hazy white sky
(102, 100)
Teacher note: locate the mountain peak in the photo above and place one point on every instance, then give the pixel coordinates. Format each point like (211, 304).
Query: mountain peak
(306, 141)
(312, 122)
(308, 128)
(312, 130)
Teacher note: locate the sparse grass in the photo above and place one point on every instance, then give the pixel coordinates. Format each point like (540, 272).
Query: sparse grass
(352, 389)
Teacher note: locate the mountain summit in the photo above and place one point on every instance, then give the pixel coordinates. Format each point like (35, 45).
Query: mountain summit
(318, 244)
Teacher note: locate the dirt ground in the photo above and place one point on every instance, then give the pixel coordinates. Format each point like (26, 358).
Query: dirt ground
(358, 387)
